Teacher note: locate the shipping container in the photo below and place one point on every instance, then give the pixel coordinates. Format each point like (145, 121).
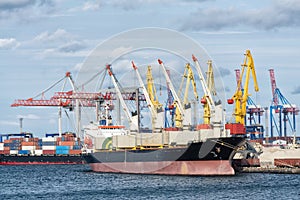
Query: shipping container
(62, 147)
(31, 143)
(52, 143)
(48, 147)
(38, 152)
(49, 139)
(13, 152)
(48, 152)
(74, 152)
(24, 152)
(66, 143)
(62, 151)
(28, 147)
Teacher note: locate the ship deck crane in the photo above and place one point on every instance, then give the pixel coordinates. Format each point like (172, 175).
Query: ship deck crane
(133, 120)
(207, 100)
(282, 107)
(189, 76)
(153, 108)
(177, 103)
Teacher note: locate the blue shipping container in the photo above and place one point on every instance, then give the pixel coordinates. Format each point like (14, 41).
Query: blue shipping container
(23, 152)
(61, 151)
(62, 147)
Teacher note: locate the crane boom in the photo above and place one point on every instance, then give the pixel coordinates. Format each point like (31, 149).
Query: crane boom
(189, 75)
(125, 108)
(210, 80)
(146, 94)
(205, 88)
(151, 90)
(176, 98)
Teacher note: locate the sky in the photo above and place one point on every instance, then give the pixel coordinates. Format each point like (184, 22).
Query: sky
(40, 40)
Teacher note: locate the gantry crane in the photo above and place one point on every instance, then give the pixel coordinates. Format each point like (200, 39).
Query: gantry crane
(281, 108)
(57, 102)
(133, 120)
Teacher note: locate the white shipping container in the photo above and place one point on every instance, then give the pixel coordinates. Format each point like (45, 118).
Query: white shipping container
(38, 152)
(13, 152)
(1, 146)
(49, 139)
(48, 147)
(28, 148)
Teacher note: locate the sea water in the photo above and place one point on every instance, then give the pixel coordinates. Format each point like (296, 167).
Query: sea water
(79, 182)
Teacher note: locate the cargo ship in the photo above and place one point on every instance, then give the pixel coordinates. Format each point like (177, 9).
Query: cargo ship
(24, 149)
(180, 149)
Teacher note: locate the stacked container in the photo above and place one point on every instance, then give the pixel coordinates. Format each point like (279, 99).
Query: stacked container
(68, 144)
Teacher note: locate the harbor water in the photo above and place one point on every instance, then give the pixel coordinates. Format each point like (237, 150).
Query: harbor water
(79, 182)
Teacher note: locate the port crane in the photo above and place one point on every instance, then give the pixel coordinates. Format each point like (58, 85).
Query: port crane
(254, 128)
(241, 95)
(281, 111)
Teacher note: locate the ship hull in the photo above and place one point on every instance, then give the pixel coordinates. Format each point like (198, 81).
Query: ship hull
(212, 157)
(40, 160)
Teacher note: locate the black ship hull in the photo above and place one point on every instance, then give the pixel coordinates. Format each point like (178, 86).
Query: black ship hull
(212, 157)
(40, 159)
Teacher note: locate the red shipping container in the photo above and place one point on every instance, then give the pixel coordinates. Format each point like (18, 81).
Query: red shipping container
(1, 151)
(6, 151)
(66, 143)
(48, 152)
(29, 143)
(236, 128)
(74, 151)
(6, 148)
(7, 141)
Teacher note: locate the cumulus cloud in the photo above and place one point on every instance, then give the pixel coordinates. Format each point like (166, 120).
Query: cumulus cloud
(279, 14)
(59, 41)
(71, 47)
(25, 10)
(15, 4)
(58, 36)
(296, 90)
(132, 4)
(9, 43)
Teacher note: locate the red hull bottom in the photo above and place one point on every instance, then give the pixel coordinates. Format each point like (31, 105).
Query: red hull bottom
(39, 163)
(215, 167)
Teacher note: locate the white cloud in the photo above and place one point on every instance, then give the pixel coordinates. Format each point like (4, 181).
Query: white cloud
(91, 6)
(9, 43)
(276, 15)
(59, 35)
(29, 116)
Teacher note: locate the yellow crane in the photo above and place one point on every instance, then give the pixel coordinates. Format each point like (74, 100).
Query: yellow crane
(240, 96)
(211, 87)
(189, 76)
(152, 90)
